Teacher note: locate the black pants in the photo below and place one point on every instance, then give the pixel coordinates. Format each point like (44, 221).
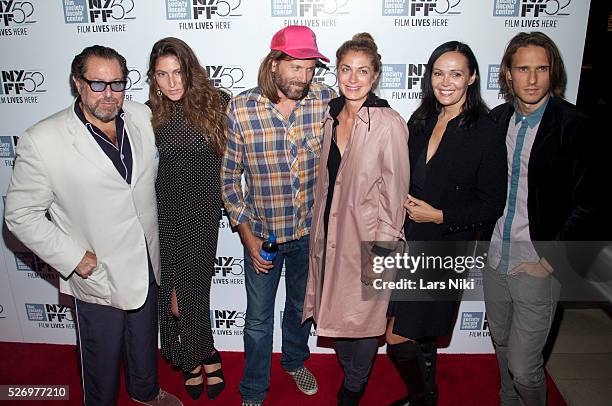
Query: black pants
(356, 356)
(105, 334)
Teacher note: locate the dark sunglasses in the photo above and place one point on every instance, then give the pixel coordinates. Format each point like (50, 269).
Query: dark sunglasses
(100, 86)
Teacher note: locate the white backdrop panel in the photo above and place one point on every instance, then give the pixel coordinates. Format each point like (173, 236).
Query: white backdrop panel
(39, 38)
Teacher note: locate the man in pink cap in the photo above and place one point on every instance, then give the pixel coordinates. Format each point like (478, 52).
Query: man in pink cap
(273, 139)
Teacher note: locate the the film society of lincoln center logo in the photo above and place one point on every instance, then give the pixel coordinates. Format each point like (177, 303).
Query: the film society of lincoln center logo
(493, 79)
(7, 149)
(99, 15)
(204, 14)
(421, 13)
(475, 323)
(48, 315)
(228, 271)
(311, 13)
(403, 79)
(21, 86)
(531, 13)
(227, 322)
(16, 17)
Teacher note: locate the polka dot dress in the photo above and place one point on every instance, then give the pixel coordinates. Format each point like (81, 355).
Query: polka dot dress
(189, 208)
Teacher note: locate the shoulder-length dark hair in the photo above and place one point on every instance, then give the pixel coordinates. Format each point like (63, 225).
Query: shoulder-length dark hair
(473, 106)
(557, 75)
(202, 105)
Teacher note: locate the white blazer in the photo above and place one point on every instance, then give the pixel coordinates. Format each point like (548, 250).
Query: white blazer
(61, 170)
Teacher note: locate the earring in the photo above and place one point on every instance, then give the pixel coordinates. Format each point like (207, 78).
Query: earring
(158, 92)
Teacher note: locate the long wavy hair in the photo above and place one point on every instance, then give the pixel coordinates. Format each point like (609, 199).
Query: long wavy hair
(202, 105)
(558, 77)
(473, 106)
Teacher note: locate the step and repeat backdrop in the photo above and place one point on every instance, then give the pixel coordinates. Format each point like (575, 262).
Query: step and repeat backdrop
(39, 38)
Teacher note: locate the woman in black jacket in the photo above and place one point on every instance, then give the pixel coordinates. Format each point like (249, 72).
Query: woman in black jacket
(457, 192)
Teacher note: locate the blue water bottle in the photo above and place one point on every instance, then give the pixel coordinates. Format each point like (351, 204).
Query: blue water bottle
(269, 248)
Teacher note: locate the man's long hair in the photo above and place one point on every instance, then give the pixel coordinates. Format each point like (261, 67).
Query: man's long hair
(558, 77)
(265, 78)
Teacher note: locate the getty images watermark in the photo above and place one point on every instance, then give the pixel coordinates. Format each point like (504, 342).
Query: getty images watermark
(449, 268)
(453, 270)
(421, 271)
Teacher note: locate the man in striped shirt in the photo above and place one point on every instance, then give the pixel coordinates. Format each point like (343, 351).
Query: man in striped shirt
(273, 139)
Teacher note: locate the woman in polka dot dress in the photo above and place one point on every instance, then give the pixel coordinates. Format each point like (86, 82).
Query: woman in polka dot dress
(189, 120)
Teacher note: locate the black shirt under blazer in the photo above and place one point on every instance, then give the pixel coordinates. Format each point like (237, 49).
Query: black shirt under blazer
(469, 181)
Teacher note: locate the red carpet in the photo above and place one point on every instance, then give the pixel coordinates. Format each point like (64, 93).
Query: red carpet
(463, 379)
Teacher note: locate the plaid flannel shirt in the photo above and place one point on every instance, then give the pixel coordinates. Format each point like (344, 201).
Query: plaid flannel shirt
(279, 158)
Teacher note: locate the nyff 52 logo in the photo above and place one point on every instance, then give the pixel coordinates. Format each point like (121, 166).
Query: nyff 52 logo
(402, 76)
(48, 312)
(208, 8)
(135, 80)
(226, 319)
(420, 8)
(16, 12)
(226, 76)
(325, 74)
(97, 11)
(530, 8)
(30, 262)
(21, 81)
(201, 9)
(308, 8)
(229, 266)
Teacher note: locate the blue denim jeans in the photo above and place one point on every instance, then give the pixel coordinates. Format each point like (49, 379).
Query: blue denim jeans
(259, 325)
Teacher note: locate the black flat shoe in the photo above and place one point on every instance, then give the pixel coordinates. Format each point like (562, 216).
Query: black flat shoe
(213, 390)
(195, 391)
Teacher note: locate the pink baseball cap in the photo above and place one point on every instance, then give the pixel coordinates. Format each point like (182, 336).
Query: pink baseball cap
(297, 41)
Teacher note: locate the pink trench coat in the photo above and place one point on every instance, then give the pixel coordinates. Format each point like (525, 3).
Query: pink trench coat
(371, 187)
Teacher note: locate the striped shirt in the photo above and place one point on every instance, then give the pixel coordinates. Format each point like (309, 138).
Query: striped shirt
(279, 158)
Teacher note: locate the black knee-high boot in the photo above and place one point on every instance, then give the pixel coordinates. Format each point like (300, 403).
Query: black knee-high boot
(349, 398)
(408, 359)
(429, 350)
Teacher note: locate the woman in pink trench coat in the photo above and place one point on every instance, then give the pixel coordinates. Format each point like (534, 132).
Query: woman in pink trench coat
(365, 160)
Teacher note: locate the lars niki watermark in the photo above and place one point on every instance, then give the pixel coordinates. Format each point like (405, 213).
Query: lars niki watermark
(409, 284)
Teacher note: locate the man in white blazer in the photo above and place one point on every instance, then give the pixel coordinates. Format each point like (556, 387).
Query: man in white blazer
(82, 198)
